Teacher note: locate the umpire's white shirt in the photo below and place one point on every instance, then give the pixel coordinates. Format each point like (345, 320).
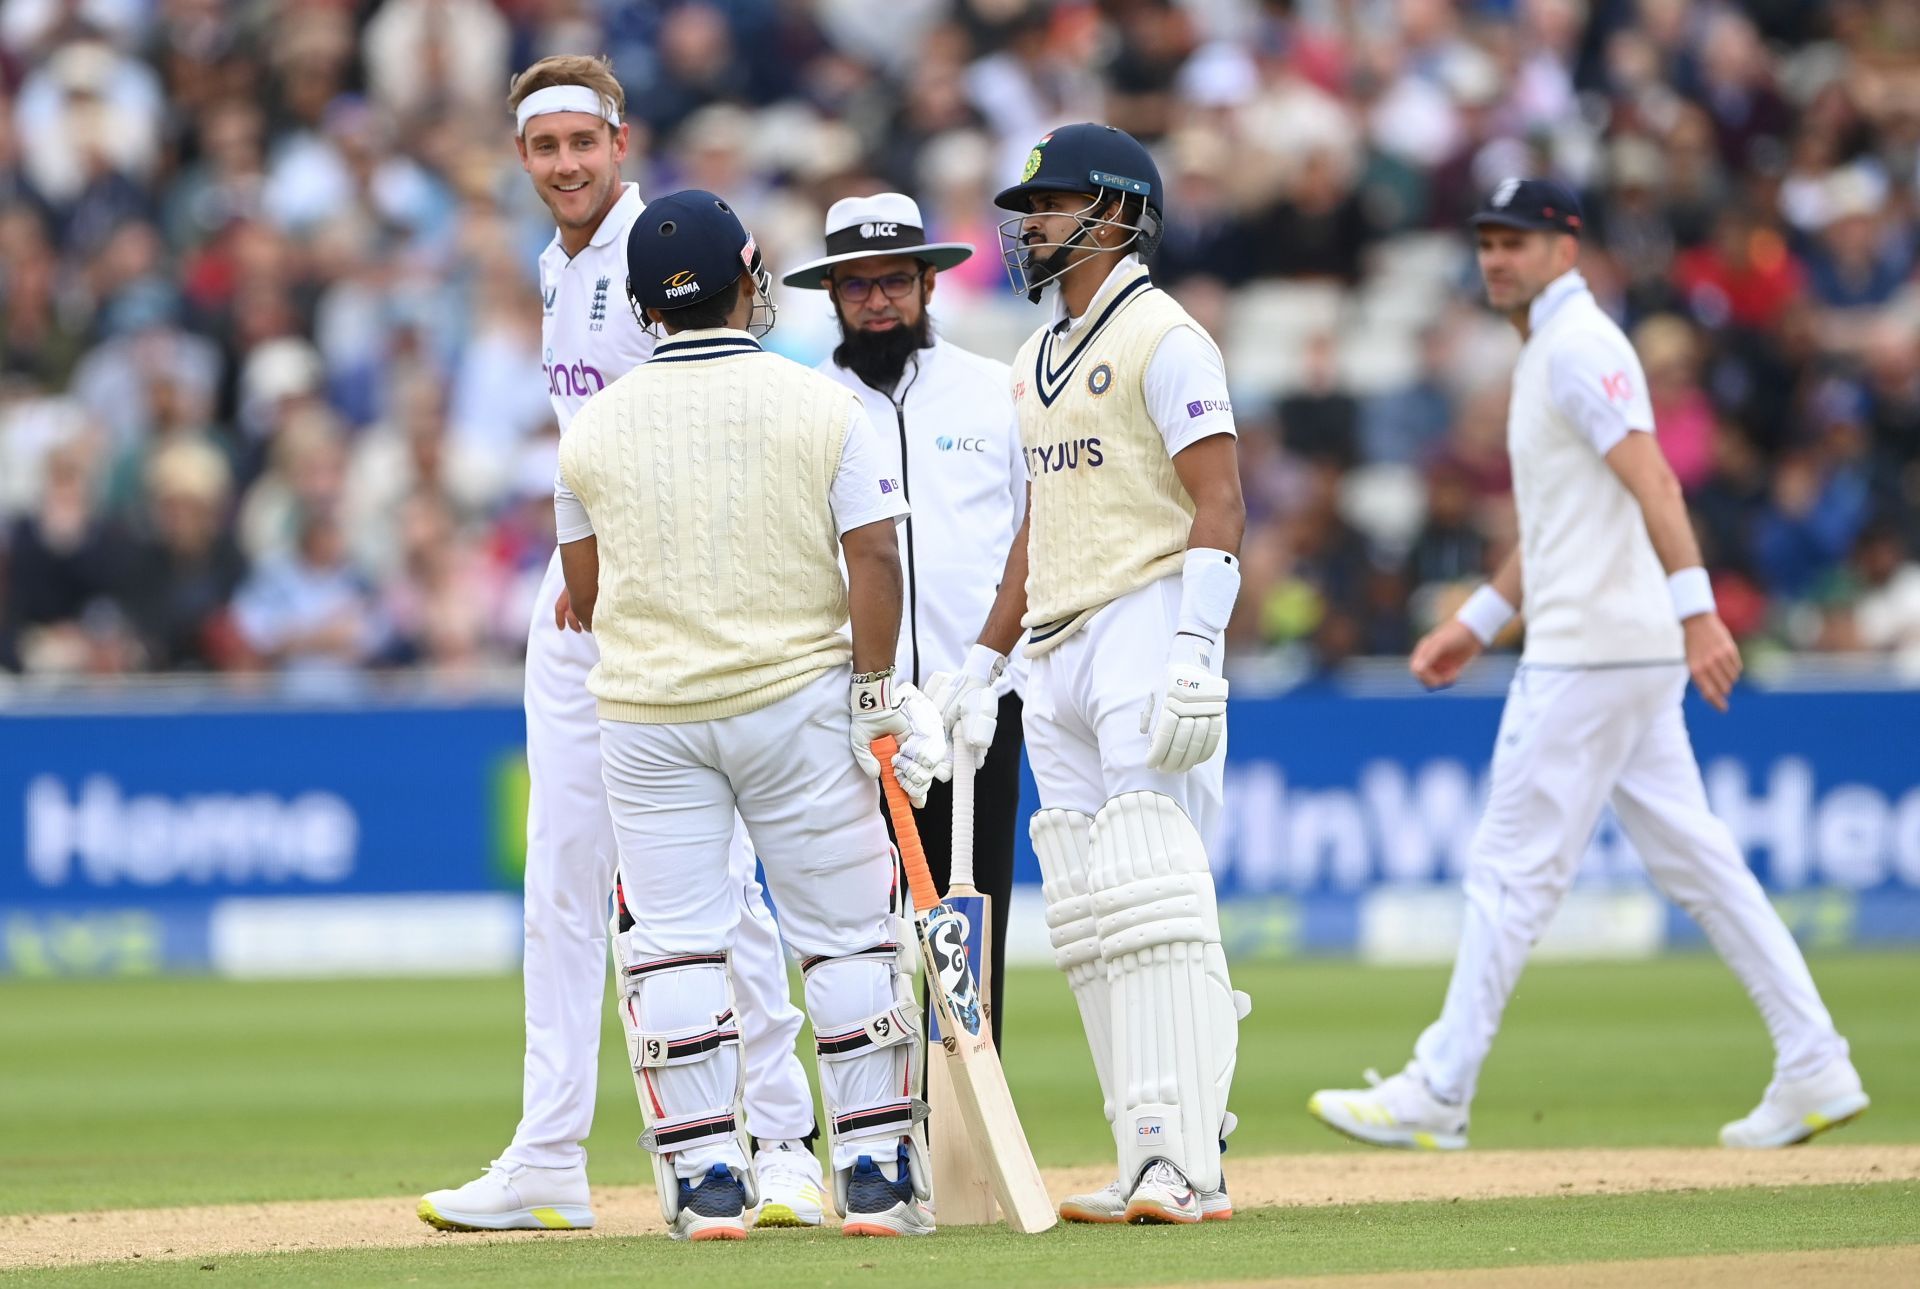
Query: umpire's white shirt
(948, 431)
(589, 337)
(1594, 592)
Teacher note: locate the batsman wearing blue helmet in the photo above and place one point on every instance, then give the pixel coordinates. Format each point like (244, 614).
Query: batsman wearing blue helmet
(1125, 573)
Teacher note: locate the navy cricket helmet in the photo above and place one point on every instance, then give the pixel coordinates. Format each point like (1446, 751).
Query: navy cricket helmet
(687, 247)
(1099, 160)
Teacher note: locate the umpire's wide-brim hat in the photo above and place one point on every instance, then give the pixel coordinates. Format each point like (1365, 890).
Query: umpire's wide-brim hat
(887, 223)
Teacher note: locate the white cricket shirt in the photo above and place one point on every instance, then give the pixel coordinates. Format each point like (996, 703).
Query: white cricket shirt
(948, 432)
(589, 337)
(1594, 592)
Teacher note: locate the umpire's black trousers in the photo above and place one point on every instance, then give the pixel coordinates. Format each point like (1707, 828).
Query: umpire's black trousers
(996, 807)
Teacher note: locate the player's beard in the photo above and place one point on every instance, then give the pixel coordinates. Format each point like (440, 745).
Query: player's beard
(1044, 270)
(879, 357)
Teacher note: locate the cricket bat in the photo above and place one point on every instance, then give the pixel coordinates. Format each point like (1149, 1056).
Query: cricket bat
(973, 1066)
(960, 1183)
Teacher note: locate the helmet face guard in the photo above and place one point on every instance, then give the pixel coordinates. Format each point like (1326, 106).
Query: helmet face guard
(1032, 266)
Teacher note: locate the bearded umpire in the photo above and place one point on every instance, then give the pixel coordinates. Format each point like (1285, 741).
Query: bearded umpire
(947, 431)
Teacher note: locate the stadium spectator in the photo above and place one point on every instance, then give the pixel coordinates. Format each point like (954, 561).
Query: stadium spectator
(291, 236)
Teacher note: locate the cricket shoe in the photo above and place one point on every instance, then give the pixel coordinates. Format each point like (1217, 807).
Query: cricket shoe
(876, 1206)
(1108, 1205)
(513, 1197)
(1795, 1110)
(792, 1191)
(715, 1208)
(1163, 1197)
(1401, 1111)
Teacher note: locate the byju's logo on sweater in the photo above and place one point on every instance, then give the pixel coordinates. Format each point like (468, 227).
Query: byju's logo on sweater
(1069, 454)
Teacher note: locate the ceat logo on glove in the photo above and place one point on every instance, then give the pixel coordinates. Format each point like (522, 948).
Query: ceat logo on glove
(1184, 683)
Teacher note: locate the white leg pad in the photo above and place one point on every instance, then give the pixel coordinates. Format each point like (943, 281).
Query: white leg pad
(866, 1024)
(1062, 840)
(684, 1048)
(1174, 1012)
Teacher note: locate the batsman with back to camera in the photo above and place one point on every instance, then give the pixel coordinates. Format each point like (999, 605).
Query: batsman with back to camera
(1131, 573)
(703, 503)
(1619, 612)
(571, 142)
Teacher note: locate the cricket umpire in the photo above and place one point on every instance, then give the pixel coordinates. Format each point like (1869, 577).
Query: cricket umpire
(948, 432)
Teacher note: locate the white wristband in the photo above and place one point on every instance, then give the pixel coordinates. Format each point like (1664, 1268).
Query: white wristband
(984, 663)
(1691, 593)
(1486, 614)
(1209, 584)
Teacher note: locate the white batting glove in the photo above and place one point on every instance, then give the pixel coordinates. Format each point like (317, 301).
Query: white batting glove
(1191, 717)
(881, 707)
(969, 710)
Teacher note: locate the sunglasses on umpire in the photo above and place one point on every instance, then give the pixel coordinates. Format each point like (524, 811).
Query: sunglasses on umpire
(895, 286)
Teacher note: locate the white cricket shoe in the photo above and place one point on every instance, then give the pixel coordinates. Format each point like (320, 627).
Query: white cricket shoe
(513, 1197)
(1795, 1111)
(792, 1187)
(1163, 1197)
(1108, 1205)
(1401, 1111)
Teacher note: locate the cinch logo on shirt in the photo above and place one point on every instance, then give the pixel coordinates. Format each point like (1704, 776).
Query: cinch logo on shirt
(1055, 457)
(1202, 406)
(576, 378)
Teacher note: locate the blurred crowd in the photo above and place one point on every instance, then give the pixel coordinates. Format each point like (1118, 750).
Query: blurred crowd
(270, 372)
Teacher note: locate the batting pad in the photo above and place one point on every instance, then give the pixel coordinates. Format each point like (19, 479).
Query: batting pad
(1062, 840)
(1175, 1018)
(684, 1048)
(867, 1038)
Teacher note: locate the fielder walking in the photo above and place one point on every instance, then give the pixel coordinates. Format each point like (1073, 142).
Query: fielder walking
(571, 142)
(1125, 574)
(947, 431)
(703, 502)
(1619, 612)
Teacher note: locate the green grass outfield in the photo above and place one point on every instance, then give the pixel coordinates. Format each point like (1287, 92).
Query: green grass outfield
(1266, 1243)
(162, 1092)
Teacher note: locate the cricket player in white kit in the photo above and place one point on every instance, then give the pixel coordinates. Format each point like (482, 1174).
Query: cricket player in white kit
(1618, 612)
(571, 141)
(702, 504)
(1126, 573)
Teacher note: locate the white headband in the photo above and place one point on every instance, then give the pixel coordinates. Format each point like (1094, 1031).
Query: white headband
(565, 98)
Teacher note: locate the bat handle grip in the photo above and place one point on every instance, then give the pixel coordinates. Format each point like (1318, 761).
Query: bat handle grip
(905, 831)
(963, 768)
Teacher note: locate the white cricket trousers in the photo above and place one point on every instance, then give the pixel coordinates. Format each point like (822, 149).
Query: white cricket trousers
(787, 769)
(1569, 741)
(1085, 699)
(570, 872)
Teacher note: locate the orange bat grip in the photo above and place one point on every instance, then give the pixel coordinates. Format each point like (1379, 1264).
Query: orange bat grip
(905, 831)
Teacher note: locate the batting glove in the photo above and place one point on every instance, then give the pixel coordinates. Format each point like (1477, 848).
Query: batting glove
(1191, 718)
(969, 710)
(881, 707)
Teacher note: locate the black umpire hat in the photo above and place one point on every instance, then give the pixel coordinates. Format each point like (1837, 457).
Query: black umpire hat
(1538, 204)
(684, 248)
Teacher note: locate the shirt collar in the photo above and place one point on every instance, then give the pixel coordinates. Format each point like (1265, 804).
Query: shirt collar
(703, 342)
(1114, 275)
(625, 210)
(1557, 293)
